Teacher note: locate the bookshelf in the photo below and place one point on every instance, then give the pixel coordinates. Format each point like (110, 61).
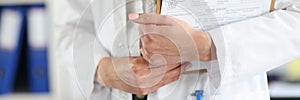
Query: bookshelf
(20, 2)
(54, 85)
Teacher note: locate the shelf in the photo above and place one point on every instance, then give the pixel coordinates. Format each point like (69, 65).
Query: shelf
(284, 90)
(26, 96)
(20, 2)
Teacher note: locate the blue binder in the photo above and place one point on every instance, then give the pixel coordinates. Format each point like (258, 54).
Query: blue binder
(9, 57)
(38, 70)
(37, 54)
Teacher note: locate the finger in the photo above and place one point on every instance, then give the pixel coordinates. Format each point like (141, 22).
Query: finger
(153, 60)
(150, 19)
(160, 59)
(185, 65)
(145, 39)
(148, 28)
(148, 43)
(158, 73)
(165, 80)
(154, 29)
(162, 70)
(145, 55)
(173, 66)
(140, 67)
(169, 77)
(159, 45)
(164, 60)
(152, 49)
(171, 59)
(170, 67)
(175, 72)
(151, 79)
(138, 60)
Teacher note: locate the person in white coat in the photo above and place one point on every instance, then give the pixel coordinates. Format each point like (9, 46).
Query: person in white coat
(103, 58)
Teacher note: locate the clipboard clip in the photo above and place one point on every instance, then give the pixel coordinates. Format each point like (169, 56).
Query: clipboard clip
(272, 6)
(158, 6)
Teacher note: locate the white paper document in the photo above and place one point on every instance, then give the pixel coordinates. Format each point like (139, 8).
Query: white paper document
(208, 14)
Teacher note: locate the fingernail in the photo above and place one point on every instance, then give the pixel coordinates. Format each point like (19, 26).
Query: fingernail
(133, 16)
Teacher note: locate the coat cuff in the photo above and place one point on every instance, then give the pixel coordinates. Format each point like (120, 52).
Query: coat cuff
(98, 79)
(100, 53)
(216, 68)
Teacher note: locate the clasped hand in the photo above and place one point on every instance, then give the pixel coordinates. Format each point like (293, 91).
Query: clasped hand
(168, 45)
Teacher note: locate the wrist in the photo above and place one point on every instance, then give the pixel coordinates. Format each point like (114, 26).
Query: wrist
(205, 46)
(103, 71)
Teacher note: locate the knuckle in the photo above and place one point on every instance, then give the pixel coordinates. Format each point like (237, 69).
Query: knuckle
(137, 61)
(145, 41)
(133, 62)
(134, 69)
(148, 49)
(149, 52)
(139, 92)
(147, 56)
(142, 91)
(144, 52)
(163, 84)
(177, 77)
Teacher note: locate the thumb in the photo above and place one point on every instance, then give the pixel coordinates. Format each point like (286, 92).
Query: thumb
(150, 19)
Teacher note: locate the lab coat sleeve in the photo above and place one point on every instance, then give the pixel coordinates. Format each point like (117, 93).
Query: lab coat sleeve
(77, 44)
(255, 46)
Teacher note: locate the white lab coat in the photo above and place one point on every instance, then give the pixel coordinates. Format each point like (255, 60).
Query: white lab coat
(246, 50)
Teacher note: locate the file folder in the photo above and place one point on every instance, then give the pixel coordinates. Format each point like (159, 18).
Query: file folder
(37, 53)
(12, 29)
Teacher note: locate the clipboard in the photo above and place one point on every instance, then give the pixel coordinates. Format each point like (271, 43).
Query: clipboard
(158, 11)
(159, 3)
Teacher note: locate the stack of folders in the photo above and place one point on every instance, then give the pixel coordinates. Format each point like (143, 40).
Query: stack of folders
(13, 24)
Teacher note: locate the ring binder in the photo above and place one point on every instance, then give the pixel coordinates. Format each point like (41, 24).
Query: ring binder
(11, 36)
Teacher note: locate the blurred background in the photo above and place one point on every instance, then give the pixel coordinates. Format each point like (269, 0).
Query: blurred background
(28, 70)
